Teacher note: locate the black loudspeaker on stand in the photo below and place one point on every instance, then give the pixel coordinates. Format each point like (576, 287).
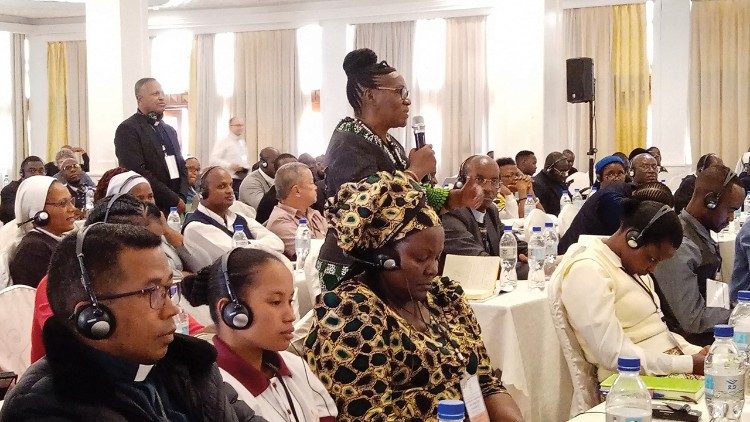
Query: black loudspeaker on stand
(581, 89)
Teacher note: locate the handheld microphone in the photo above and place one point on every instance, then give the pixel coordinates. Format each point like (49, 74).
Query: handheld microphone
(417, 124)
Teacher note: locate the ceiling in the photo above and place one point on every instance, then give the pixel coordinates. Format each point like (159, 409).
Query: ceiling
(36, 9)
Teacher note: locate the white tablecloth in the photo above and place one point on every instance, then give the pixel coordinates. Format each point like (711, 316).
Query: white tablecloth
(726, 250)
(597, 414)
(521, 341)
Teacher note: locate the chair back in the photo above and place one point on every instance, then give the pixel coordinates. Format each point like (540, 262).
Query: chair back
(537, 218)
(582, 373)
(16, 314)
(565, 219)
(578, 180)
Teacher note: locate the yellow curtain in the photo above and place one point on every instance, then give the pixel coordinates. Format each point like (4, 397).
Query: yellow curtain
(57, 126)
(631, 75)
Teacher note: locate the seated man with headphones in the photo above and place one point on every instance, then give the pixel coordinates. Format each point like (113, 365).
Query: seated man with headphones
(249, 293)
(609, 300)
(683, 193)
(46, 211)
(477, 231)
(689, 284)
(112, 351)
(259, 181)
(209, 229)
(549, 184)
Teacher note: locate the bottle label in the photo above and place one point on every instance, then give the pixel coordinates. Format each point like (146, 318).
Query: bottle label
(740, 339)
(538, 254)
(628, 415)
(507, 253)
(724, 384)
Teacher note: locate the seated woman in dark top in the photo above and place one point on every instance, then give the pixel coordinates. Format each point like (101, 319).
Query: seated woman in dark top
(47, 211)
(394, 339)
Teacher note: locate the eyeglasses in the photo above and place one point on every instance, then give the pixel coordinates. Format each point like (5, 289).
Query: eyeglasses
(402, 91)
(63, 203)
(645, 167)
(157, 295)
(71, 167)
(32, 171)
(481, 181)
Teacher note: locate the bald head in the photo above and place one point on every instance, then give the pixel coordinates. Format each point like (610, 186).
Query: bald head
(485, 172)
(267, 156)
(645, 169)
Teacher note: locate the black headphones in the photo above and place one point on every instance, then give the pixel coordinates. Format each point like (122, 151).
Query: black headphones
(93, 320)
(40, 219)
(633, 236)
(551, 166)
(461, 179)
(235, 314)
(203, 185)
(704, 164)
(712, 199)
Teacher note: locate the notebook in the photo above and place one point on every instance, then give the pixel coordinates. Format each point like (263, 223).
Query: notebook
(477, 275)
(666, 388)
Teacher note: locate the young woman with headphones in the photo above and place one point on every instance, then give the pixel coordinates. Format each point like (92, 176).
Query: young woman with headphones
(45, 211)
(394, 338)
(249, 293)
(609, 299)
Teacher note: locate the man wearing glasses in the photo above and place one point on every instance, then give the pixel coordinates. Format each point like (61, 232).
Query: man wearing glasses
(477, 231)
(686, 282)
(72, 176)
(549, 183)
(142, 370)
(30, 166)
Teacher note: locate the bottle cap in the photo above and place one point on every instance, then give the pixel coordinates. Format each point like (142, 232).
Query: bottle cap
(625, 363)
(577, 190)
(743, 295)
(239, 227)
(724, 331)
(536, 229)
(508, 228)
(549, 225)
(173, 209)
(528, 195)
(303, 220)
(450, 409)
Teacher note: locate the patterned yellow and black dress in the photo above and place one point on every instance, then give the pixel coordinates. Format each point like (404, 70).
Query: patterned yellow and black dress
(377, 367)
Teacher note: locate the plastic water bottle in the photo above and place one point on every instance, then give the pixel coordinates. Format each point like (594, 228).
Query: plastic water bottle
(89, 204)
(450, 411)
(181, 322)
(628, 399)
(577, 198)
(593, 190)
(528, 205)
(239, 239)
(508, 258)
(746, 206)
(173, 220)
(302, 242)
(551, 241)
(725, 376)
(537, 256)
(740, 320)
(565, 199)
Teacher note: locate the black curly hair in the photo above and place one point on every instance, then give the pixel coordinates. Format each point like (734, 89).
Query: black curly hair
(362, 71)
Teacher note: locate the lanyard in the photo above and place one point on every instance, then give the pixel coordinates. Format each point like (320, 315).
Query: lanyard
(648, 291)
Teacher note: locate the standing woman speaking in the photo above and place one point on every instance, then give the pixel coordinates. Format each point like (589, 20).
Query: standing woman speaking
(361, 146)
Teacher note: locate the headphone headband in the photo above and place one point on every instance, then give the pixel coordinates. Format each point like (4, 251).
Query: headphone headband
(559, 160)
(111, 202)
(634, 236)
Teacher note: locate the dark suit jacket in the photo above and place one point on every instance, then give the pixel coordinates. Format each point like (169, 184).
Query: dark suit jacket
(8, 201)
(549, 191)
(684, 193)
(138, 148)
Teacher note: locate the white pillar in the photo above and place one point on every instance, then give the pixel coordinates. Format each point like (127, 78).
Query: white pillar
(526, 73)
(117, 56)
(333, 103)
(669, 98)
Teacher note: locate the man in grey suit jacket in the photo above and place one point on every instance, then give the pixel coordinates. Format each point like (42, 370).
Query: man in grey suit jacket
(257, 183)
(477, 231)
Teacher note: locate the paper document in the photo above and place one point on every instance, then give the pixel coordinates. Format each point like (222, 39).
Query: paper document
(717, 294)
(476, 274)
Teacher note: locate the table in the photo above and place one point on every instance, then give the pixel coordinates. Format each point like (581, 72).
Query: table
(596, 414)
(521, 341)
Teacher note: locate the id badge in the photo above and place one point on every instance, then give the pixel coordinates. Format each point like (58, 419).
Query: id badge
(473, 399)
(172, 167)
(717, 294)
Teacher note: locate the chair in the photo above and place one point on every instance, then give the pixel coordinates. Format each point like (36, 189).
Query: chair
(536, 218)
(17, 313)
(582, 373)
(578, 180)
(565, 219)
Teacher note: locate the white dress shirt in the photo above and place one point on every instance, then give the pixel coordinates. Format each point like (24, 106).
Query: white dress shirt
(614, 314)
(207, 243)
(228, 151)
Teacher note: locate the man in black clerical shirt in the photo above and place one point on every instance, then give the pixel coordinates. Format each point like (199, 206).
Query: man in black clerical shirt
(149, 147)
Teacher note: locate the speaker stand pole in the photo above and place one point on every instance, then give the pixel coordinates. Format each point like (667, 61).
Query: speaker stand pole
(592, 148)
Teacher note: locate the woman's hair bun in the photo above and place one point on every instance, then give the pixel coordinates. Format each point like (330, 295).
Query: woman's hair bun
(358, 60)
(195, 286)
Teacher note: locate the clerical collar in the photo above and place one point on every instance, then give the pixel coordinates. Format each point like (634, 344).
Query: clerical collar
(478, 215)
(119, 370)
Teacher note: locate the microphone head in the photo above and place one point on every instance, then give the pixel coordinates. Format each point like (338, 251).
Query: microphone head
(417, 120)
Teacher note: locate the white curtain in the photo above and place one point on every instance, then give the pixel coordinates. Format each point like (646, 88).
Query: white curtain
(267, 92)
(394, 43)
(466, 93)
(203, 104)
(719, 74)
(19, 103)
(77, 93)
(588, 33)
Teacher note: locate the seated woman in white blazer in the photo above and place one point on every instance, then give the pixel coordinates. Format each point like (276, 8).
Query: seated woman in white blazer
(609, 296)
(249, 293)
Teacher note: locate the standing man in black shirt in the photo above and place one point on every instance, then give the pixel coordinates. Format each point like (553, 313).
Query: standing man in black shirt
(149, 147)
